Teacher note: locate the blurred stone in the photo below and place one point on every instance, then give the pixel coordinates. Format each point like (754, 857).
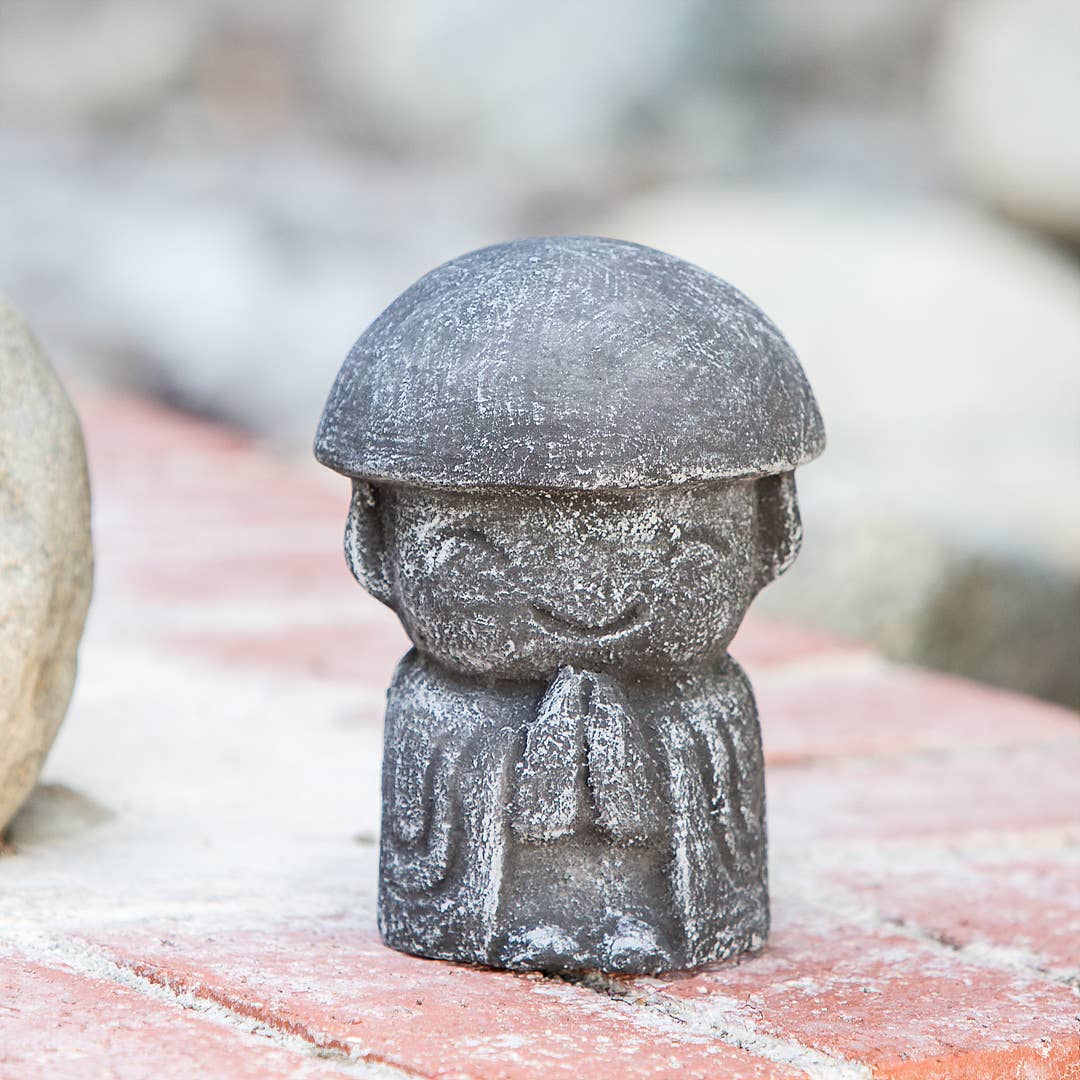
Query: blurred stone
(874, 53)
(567, 88)
(944, 525)
(462, 75)
(45, 558)
(1009, 101)
(228, 285)
(69, 62)
(188, 230)
(618, 88)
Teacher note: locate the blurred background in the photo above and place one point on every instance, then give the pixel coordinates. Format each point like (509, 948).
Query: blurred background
(208, 201)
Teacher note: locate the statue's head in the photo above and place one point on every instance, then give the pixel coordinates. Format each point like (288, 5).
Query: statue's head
(515, 584)
(570, 451)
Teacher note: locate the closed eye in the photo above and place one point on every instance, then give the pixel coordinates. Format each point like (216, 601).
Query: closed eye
(712, 540)
(475, 538)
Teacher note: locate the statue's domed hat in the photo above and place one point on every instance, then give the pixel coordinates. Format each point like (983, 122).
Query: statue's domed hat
(569, 362)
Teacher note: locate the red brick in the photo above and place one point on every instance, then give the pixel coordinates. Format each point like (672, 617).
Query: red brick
(123, 431)
(1056, 1061)
(184, 509)
(194, 492)
(364, 652)
(1025, 904)
(156, 468)
(875, 708)
(335, 979)
(931, 795)
(64, 1026)
(261, 577)
(763, 642)
(902, 1007)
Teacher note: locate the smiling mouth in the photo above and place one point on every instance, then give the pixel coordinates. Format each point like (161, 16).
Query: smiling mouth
(623, 621)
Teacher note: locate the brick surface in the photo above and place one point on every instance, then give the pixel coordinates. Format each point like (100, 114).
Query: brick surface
(763, 643)
(864, 800)
(364, 652)
(191, 511)
(897, 1005)
(60, 1025)
(1023, 909)
(873, 709)
(337, 982)
(210, 823)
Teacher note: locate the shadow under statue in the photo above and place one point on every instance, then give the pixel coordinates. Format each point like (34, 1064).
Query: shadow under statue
(572, 463)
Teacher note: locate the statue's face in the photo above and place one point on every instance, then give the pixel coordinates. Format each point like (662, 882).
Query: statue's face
(517, 584)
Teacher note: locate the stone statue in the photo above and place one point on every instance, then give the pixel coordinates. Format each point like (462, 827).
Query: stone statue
(572, 465)
(46, 564)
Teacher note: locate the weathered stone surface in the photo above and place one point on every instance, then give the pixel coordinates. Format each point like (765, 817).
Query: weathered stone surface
(529, 364)
(600, 804)
(572, 463)
(45, 557)
(943, 347)
(1008, 96)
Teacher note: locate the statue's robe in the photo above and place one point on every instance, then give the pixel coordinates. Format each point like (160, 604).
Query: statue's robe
(584, 822)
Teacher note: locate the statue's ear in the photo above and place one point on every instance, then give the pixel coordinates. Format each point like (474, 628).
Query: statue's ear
(779, 527)
(365, 540)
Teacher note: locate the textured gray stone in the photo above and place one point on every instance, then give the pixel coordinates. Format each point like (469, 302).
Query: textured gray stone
(572, 472)
(45, 557)
(1008, 103)
(489, 369)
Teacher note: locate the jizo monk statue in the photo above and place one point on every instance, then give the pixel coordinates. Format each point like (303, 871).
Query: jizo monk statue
(572, 464)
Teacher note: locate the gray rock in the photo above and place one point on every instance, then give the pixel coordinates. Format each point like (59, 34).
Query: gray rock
(1008, 93)
(572, 472)
(943, 347)
(45, 557)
